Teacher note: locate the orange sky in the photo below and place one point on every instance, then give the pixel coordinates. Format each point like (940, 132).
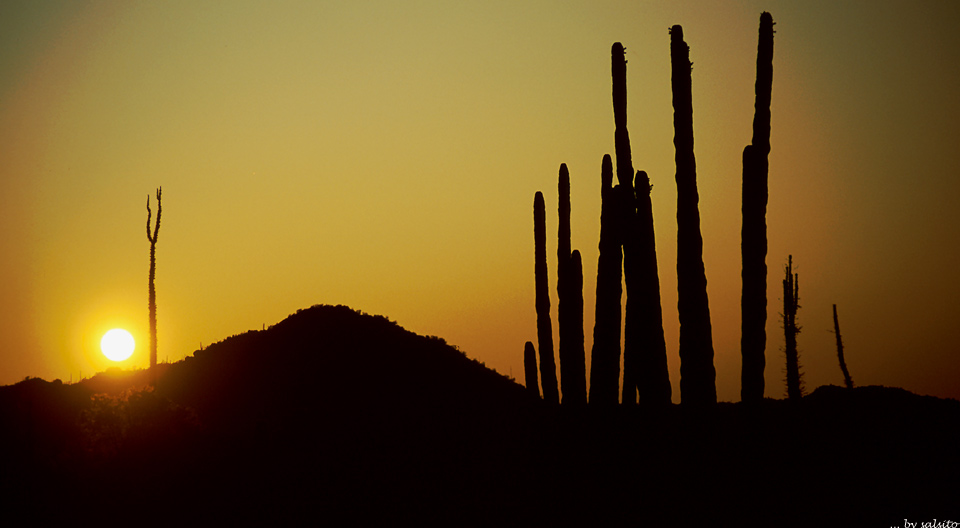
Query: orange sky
(386, 158)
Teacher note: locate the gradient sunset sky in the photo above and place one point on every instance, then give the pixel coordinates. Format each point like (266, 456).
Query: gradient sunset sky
(385, 155)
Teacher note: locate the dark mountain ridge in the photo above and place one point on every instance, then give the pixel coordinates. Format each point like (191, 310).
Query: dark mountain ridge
(334, 415)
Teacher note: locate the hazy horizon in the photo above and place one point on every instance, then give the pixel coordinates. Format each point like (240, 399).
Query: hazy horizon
(386, 158)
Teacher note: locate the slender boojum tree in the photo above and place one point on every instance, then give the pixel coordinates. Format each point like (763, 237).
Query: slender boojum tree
(643, 325)
(548, 368)
(605, 356)
(791, 298)
(753, 245)
(573, 374)
(847, 380)
(530, 369)
(151, 289)
(697, 373)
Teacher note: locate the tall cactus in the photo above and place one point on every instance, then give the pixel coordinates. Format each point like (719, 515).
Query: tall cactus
(572, 368)
(605, 356)
(643, 325)
(151, 289)
(847, 380)
(530, 369)
(573, 378)
(548, 368)
(651, 375)
(791, 298)
(753, 245)
(697, 373)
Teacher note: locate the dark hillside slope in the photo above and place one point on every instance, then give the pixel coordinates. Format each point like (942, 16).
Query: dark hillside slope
(333, 359)
(312, 419)
(336, 417)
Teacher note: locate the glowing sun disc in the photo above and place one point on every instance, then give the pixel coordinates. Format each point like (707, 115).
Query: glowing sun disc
(117, 344)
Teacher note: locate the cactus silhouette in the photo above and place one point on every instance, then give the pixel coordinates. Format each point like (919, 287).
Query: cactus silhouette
(605, 356)
(644, 348)
(791, 298)
(847, 380)
(652, 377)
(548, 368)
(753, 245)
(151, 289)
(563, 261)
(697, 373)
(530, 369)
(573, 376)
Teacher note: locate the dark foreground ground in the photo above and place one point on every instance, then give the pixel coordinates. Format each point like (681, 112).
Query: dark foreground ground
(335, 417)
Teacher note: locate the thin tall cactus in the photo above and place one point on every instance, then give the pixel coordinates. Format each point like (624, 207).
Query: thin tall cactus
(697, 373)
(605, 356)
(791, 298)
(643, 326)
(548, 368)
(847, 380)
(573, 375)
(151, 289)
(530, 369)
(652, 377)
(753, 245)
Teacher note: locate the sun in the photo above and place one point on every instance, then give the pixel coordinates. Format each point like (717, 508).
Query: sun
(117, 344)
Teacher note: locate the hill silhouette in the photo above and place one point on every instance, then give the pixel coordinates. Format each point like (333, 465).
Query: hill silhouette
(336, 416)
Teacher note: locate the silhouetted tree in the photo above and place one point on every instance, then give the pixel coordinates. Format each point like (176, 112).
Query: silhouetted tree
(605, 356)
(847, 380)
(530, 369)
(644, 345)
(573, 374)
(753, 245)
(791, 297)
(548, 369)
(151, 289)
(697, 374)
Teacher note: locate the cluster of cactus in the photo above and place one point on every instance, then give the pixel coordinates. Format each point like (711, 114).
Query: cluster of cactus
(151, 289)
(605, 355)
(627, 245)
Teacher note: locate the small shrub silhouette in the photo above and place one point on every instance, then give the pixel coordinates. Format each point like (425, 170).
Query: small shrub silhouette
(138, 420)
